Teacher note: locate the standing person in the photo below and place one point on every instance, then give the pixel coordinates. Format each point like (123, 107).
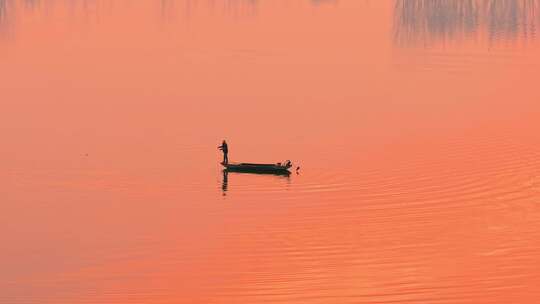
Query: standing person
(225, 150)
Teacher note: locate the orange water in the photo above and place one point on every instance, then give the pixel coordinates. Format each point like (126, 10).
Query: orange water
(415, 124)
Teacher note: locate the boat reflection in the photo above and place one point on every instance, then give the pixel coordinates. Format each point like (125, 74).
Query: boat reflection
(427, 22)
(225, 183)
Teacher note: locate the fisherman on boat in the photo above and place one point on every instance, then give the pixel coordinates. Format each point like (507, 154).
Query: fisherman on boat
(225, 150)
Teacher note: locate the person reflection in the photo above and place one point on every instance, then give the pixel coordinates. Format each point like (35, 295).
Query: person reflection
(225, 183)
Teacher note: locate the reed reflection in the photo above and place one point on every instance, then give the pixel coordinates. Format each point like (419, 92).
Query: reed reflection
(428, 22)
(5, 7)
(166, 10)
(321, 2)
(170, 9)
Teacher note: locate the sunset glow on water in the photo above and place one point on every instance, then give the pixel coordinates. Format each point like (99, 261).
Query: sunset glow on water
(415, 124)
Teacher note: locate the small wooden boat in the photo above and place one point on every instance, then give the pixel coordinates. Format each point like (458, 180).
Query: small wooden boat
(258, 168)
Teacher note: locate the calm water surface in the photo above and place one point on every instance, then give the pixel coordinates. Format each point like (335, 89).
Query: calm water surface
(415, 123)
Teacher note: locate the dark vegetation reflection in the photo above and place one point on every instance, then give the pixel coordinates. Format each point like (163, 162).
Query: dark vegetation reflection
(428, 22)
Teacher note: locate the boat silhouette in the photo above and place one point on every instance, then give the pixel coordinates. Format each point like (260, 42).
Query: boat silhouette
(277, 168)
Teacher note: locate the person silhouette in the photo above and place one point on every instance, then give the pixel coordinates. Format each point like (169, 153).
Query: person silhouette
(225, 150)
